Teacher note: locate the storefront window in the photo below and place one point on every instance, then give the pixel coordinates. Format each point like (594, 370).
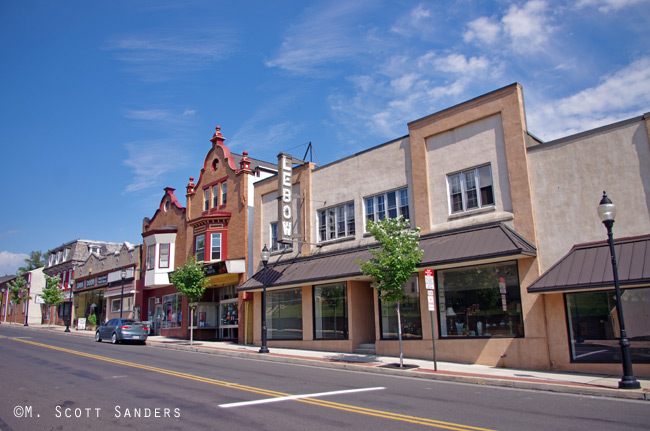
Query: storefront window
(205, 315)
(480, 301)
(594, 327)
(172, 315)
(410, 312)
(284, 314)
(331, 312)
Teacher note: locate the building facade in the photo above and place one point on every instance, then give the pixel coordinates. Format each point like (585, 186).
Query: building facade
(466, 176)
(62, 261)
(100, 290)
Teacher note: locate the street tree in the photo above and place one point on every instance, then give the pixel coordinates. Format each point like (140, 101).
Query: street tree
(393, 262)
(51, 295)
(35, 260)
(19, 292)
(190, 281)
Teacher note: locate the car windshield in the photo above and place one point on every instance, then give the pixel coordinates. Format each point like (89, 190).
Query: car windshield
(129, 321)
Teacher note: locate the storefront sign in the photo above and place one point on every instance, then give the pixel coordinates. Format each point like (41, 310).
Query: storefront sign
(90, 282)
(215, 268)
(81, 323)
(285, 198)
(102, 279)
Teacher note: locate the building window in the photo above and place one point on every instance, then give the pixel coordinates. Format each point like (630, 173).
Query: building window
(470, 189)
(594, 328)
(172, 306)
(224, 193)
(151, 252)
(215, 196)
(480, 301)
(284, 314)
(128, 304)
(199, 247)
(164, 255)
(215, 246)
(331, 312)
(206, 199)
(336, 222)
(391, 204)
(409, 307)
(275, 245)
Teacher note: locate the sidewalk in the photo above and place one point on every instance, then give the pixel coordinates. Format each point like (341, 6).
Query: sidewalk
(572, 383)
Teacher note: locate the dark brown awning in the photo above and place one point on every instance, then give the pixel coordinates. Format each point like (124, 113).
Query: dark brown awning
(467, 245)
(589, 266)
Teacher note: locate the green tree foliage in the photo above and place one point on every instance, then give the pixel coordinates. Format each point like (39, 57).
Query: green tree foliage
(18, 290)
(190, 281)
(393, 262)
(35, 260)
(52, 295)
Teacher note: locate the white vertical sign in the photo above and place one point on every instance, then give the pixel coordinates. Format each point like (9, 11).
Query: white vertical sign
(431, 289)
(285, 198)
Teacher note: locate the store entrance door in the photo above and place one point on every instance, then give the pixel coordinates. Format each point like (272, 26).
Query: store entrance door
(157, 320)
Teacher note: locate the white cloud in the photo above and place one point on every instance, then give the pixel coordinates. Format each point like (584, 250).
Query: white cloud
(606, 6)
(152, 160)
(10, 262)
(524, 29)
(158, 56)
(619, 96)
(324, 36)
(417, 22)
(7, 233)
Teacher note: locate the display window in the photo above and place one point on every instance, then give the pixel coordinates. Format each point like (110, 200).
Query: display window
(331, 312)
(284, 314)
(409, 310)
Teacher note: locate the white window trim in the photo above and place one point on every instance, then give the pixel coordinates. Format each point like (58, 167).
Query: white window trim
(347, 219)
(481, 207)
(398, 209)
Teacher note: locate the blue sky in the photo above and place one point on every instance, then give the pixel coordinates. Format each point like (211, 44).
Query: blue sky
(105, 103)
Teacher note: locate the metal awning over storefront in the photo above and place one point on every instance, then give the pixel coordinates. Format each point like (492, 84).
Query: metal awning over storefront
(589, 267)
(484, 243)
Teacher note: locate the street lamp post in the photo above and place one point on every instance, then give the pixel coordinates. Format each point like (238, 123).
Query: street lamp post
(69, 319)
(122, 276)
(28, 285)
(265, 260)
(607, 213)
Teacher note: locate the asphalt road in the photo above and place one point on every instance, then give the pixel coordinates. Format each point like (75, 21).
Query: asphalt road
(65, 382)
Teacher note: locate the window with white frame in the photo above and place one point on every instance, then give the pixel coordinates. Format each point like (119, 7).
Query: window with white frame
(388, 205)
(116, 303)
(206, 199)
(215, 196)
(199, 247)
(470, 189)
(336, 222)
(164, 255)
(151, 253)
(224, 193)
(215, 246)
(275, 245)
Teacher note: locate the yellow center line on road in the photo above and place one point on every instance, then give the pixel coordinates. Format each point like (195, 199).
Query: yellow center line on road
(317, 402)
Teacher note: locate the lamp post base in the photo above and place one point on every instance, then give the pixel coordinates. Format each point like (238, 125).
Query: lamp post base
(264, 349)
(629, 383)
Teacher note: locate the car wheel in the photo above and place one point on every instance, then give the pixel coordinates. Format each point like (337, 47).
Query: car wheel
(97, 337)
(114, 338)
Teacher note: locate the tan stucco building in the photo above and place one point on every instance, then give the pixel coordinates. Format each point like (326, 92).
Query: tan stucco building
(480, 188)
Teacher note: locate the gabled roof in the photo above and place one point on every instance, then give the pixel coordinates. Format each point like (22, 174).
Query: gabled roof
(589, 266)
(466, 245)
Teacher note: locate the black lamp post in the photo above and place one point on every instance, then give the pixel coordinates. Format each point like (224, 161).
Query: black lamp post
(265, 260)
(28, 285)
(69, 319)
(123, 276)
(607, 213)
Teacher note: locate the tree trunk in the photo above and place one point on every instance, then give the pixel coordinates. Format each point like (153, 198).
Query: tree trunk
(190, 325)
(399, 332)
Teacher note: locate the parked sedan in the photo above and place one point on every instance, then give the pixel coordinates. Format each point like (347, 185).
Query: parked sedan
(118, 330)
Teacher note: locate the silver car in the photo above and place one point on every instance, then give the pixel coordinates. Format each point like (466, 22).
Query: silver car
(118, 330)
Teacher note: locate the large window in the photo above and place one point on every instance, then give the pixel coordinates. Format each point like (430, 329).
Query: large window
(284, 314)
(128, 304)
(199, 248)
(470, 189)
(215, 246)
(215, 196)
(206, 199)
(172, 306)
(151, 253)
(391, 204)
(224, 193)
(331, 312)
(164, 255)
(480, 301)
(594, 329)
(409, 307)
(336, 222)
